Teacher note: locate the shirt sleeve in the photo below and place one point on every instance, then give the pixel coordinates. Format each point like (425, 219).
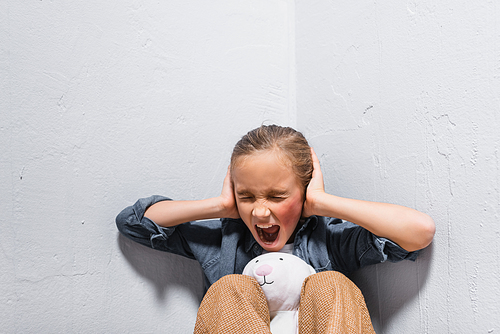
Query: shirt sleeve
(353, 247)
(132, 224)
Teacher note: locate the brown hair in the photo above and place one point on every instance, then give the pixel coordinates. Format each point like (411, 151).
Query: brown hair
(287, 141)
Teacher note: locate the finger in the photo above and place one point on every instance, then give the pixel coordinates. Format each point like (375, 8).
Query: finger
(229, 180)
(227, 184)
(315, 160)
(229, 176)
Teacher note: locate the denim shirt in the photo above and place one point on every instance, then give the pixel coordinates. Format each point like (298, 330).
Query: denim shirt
(224, 246)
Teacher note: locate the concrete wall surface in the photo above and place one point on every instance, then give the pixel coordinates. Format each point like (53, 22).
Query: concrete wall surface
(102, 103)
(402, 99)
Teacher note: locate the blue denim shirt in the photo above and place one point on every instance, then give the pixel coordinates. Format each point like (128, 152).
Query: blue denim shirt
(224, 246)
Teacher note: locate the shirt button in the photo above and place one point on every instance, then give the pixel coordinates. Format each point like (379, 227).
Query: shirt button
(256, 248)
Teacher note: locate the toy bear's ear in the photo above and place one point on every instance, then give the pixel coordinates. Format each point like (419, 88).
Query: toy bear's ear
(249, 267)
(246, 270)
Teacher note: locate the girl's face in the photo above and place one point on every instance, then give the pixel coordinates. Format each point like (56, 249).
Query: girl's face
(269, 197)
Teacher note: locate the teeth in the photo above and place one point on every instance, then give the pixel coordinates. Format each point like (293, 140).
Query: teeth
(264, 225)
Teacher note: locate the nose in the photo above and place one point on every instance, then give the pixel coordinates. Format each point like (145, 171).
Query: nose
(261, 211)
(264, 270)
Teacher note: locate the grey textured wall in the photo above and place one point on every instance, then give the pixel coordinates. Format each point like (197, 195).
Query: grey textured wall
(402, 99)
(105, 102)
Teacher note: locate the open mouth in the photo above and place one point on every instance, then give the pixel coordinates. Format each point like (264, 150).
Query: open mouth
(268, 233)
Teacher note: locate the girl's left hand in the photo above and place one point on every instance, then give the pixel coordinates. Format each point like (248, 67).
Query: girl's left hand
(315, 189)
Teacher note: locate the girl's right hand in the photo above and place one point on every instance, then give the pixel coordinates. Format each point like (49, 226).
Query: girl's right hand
(227, 200)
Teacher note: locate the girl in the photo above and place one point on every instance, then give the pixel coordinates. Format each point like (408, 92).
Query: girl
(273, 199)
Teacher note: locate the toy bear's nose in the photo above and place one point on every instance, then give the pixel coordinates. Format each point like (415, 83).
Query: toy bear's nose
(264, 270)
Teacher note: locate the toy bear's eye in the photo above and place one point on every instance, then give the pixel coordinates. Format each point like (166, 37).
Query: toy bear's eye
(281, 259)
(256, 261)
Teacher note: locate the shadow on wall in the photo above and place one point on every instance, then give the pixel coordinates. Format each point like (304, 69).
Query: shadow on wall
(163, 270)
(389, 287)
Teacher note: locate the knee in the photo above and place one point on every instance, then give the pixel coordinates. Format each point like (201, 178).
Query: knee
(234, 281)
(329, 281)
(235, 291)
(234, 285)
(333, 277)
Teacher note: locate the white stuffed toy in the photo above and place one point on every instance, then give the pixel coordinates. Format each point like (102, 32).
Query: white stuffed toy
(280, 276)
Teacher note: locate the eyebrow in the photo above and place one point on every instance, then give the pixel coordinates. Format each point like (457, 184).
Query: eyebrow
(278, 192)
(272, 192)
(243, 193)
